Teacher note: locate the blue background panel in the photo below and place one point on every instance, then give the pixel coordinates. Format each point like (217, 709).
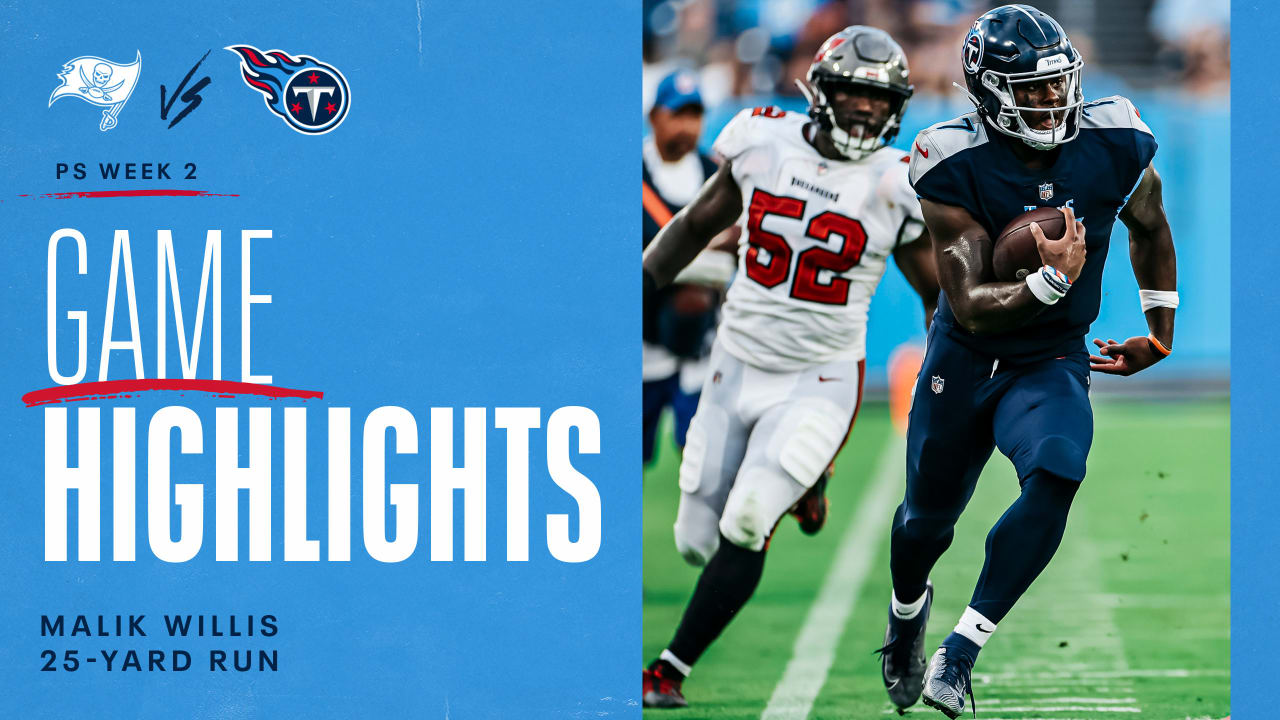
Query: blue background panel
(1255, 622)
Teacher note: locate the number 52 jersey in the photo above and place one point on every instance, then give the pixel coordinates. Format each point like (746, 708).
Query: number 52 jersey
(817, 234)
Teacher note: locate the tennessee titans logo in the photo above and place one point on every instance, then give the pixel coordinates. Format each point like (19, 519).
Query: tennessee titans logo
(972, 55)
(310, 96)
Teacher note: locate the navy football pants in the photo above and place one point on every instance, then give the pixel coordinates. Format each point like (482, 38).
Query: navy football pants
(965, 405)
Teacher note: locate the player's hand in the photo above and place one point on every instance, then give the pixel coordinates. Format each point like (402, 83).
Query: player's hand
(727, 241)
(1066, 254)
(1125, 358)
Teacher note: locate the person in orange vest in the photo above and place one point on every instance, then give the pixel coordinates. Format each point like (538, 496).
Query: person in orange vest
(680, 320)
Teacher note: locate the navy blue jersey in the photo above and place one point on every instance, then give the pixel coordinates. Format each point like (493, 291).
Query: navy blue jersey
(963, 163)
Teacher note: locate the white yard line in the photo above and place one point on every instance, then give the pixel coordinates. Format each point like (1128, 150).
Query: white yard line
(1062, 701)
(1016, 677)
(815, 648)
(1039, 690)
(1071, 708)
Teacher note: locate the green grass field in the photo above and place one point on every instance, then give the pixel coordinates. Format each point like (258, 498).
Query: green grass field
(1131, 619)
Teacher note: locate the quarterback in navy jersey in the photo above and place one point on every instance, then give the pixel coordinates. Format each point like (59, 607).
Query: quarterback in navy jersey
(1006, 365)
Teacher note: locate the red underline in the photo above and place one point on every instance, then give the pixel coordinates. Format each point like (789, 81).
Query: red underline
(128, 193)
(115, 389)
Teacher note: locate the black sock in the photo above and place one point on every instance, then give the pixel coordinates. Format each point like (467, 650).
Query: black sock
(725, 585)
(1021, 543)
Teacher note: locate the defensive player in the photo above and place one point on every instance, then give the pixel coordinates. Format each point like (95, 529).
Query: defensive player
(826, 203)
(1006, 365)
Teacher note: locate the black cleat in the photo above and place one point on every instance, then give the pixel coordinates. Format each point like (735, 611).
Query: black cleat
(902, 663)
(662, 687)
(811, 509)
(947, 682)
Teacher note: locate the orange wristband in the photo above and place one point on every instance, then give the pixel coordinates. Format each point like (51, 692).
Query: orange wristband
(1158, 346)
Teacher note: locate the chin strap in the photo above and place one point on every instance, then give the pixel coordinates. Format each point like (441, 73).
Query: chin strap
(967, 94)
(804, 90)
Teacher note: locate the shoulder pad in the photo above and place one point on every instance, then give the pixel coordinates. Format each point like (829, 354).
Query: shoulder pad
(943, 140)
(1115, 112)
(748, 129)
(895, 189)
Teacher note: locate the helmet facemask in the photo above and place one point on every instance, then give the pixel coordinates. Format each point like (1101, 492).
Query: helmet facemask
(861, 139)
(1010, 117)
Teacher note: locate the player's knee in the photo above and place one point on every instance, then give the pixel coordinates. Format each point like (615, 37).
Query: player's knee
(1059, 456)
(927, 527)
(697, 530)
(931, 529)
(745, 522)
(1051, 494)
(697, 544)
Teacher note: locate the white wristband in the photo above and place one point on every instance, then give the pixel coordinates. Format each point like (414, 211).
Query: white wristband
(1044, 291)
(1158, 298)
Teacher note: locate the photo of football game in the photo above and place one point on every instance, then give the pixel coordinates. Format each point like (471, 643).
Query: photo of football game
(919, 438)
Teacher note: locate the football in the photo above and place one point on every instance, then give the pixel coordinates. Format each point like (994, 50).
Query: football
(1015, 253)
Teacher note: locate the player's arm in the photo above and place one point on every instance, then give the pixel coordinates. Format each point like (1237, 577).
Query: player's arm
(963, 252)
(916, 261)
(717, 206)
(1156, 268)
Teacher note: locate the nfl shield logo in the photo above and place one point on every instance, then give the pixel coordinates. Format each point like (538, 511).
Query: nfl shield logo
(937, 384)
(1046, 191)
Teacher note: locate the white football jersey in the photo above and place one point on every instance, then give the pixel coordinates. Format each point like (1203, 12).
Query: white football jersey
(817, 234)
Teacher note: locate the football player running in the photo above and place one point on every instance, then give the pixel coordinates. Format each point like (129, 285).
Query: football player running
(826, 203)
(1006, 365)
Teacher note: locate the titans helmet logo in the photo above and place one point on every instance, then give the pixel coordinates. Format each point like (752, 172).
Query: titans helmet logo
(310, 96)
(972, 56)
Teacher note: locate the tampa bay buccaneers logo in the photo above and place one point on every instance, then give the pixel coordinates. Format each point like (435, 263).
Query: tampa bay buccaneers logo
(310, 96)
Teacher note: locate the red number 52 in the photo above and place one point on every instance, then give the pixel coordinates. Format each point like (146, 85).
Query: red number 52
(777, 269)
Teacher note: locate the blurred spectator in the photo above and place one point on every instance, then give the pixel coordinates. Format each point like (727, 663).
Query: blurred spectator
(1206, 62)
(1175, 20)
(1197, 42)
(752, 51)
(678, 318)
